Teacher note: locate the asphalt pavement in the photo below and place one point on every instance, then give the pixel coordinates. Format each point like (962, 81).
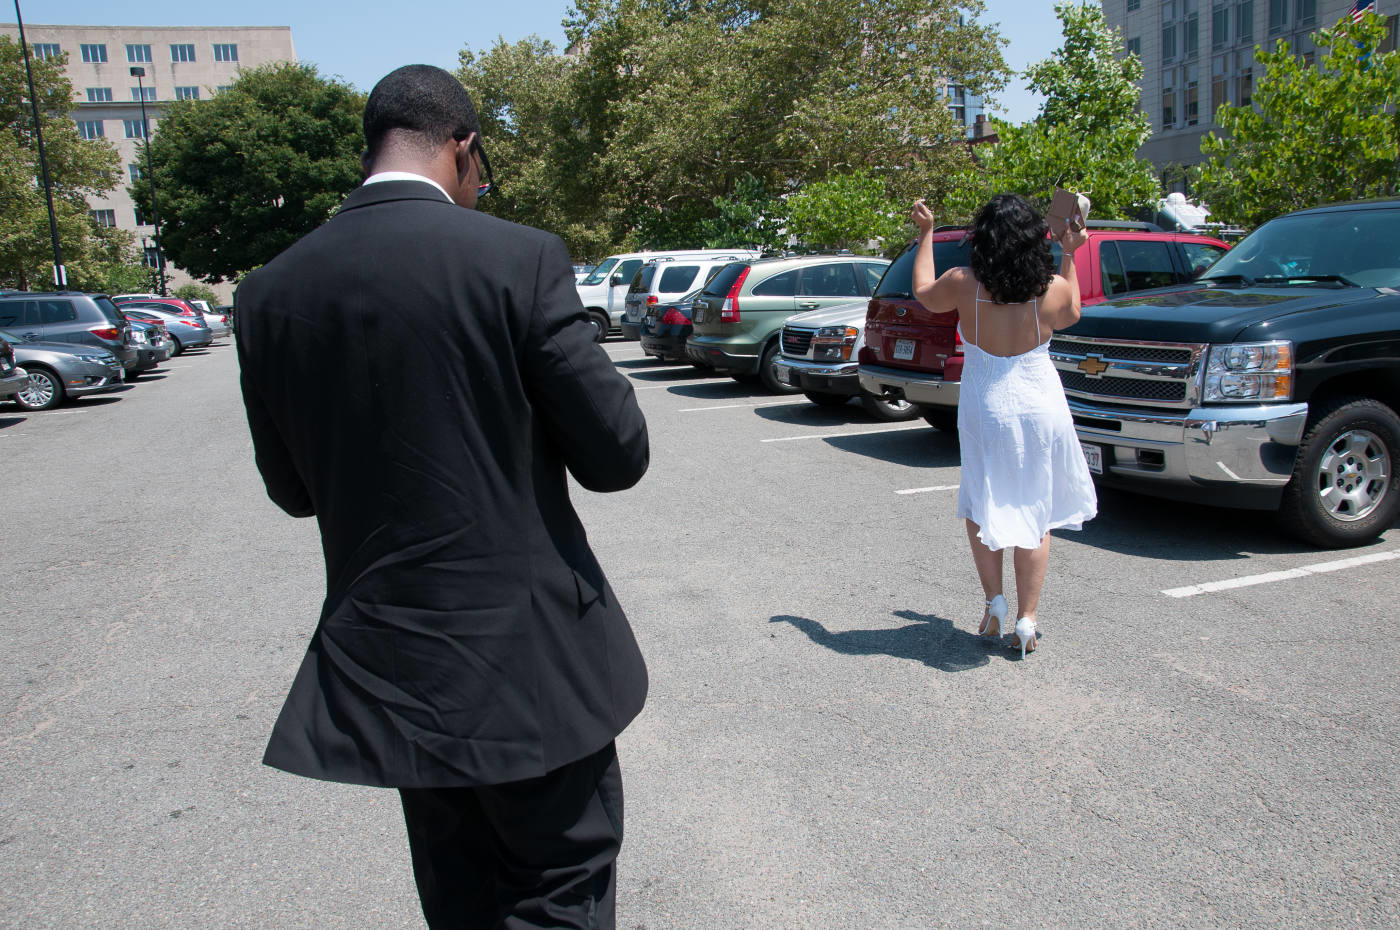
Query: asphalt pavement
(1206, 738)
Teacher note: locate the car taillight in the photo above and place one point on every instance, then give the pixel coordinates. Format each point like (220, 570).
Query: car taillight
(106, 332)
(674, 317)
(729, 312)
(651, 300)
(957, 343)
(189, 323)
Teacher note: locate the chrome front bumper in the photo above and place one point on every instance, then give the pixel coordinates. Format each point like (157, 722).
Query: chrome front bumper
(14, 382)
(915, 387)
(831, 377)
(1212, 448)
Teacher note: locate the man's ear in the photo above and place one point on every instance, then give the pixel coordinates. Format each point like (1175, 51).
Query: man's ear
(462, 154)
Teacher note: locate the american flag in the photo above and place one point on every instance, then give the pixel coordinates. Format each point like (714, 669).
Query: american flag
(1360, 8)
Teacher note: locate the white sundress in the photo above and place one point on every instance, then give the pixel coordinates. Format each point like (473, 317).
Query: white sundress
(1023, 471)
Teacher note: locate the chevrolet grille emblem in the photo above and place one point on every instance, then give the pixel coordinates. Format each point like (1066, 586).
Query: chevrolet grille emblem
(1093, 366)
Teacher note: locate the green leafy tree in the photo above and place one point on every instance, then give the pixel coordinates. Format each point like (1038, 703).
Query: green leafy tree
(198, 292)
(845, 212)
(1085, 137)
(78, 169)
(244, 175)
(1319, 134)
(689, 121)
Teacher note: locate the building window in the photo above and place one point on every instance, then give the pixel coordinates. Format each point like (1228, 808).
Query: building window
(1244, 88)
(141, 218)
(1278, 16)
(1133, 5)
(1307, 12)
(1388, 43)
(1219, 28)
(151, 257)
(1219, 82)
(187, 93)
(95, 53)
(90, 128)
(135, 171)
(1169, 99)
(1244, 24)
(142, 92)
(99, 95)
(1190, 36)
(1192, 100)
(1134, 46)
(104, 217)
(134, 129)
(1169, 41)
(226, 52)
(46, 50)
(182, 53)
(138, 53)
(221, 88)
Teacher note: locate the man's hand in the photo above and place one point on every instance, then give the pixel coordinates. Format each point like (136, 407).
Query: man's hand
(922, 216)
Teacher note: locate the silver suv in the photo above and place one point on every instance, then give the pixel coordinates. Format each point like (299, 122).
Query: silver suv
(68, 316)
(665, 279)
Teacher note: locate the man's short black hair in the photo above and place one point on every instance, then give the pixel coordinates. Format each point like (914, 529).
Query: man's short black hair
(420, 99)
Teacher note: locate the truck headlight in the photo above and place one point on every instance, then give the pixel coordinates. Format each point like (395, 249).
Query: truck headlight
(1249, 372)
(834, 343)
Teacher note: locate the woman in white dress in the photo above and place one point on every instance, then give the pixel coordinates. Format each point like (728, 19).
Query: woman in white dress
(1023, 473)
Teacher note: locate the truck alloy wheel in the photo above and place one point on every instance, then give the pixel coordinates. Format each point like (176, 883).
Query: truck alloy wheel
(1343, 491)
(600, 326)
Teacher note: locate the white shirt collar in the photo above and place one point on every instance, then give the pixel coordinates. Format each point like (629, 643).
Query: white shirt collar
(404, 176)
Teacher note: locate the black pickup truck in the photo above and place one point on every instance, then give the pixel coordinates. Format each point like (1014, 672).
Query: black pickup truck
(1272, 382)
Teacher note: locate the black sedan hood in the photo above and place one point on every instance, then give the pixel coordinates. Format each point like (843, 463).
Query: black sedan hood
(1201, 313)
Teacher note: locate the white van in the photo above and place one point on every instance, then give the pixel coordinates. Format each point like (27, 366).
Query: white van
(604, 291)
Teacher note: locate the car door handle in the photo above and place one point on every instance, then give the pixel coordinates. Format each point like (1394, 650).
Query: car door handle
(808, 305)
(31, 337)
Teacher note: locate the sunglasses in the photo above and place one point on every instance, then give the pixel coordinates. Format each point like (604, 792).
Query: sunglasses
(487, 184)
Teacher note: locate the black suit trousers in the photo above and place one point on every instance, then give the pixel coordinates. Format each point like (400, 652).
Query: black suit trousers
(526, 855)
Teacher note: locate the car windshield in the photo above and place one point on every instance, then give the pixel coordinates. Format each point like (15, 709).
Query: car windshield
(1335, 249)
(600, 274)
(898, 282)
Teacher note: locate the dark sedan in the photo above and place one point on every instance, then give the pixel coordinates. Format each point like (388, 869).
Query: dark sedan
(666, 327)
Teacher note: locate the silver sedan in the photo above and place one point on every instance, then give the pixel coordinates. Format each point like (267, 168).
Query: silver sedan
(58, 370)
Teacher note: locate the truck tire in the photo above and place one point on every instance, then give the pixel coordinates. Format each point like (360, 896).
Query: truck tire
(1344, 490)
(941, 418)
(823, 399)
(768, 371)
(888, 409)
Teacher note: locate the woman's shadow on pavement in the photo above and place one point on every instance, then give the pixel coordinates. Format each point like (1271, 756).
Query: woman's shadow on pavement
(930, 639)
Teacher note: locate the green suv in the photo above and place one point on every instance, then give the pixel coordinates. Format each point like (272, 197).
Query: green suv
(739, 316)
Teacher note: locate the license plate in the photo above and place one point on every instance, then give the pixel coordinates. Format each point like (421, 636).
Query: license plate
(698, 316)
(785, 375)
(1094, 456)
(904, 349)
(651, 320)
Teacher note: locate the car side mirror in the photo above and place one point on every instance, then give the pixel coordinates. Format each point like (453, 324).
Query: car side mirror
(617, 280)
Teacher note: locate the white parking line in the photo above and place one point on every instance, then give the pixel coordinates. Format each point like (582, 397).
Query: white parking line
(1270, 577)
(770, 403)
(662, 387)
(941, 487)
(868, 432)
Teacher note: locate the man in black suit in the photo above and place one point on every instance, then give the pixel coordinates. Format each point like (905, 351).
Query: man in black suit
(418, 377)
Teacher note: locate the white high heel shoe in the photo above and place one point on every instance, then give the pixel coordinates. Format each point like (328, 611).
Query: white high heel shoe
(1025, 635)
(996, 610)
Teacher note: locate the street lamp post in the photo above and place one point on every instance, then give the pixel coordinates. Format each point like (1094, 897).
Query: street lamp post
(139, 73)
(60, 274)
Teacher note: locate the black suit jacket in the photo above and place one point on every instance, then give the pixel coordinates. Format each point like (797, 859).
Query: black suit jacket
(418, 377)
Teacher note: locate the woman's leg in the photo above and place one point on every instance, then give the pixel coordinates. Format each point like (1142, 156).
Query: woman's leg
(1030, 576)
(988, 564)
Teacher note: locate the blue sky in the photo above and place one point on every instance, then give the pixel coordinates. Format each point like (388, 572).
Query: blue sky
(358, 42)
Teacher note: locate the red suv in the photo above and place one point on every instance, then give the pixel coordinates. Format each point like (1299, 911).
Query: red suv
(915, 354)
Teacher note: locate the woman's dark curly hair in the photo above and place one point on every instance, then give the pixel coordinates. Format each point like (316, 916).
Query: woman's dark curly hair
(1010, 249)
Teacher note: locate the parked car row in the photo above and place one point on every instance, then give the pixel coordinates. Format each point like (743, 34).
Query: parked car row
(66, 344)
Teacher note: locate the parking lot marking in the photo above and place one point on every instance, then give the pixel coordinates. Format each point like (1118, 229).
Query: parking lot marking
(1270, 577)
(767, 403)
(941, 487)
(662, 387)
(868, 432)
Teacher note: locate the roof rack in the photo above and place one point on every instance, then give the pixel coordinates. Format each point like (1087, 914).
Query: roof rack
(1135, 225)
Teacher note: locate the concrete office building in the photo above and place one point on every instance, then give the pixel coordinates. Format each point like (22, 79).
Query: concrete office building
(1199, 54)
(180, 62)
